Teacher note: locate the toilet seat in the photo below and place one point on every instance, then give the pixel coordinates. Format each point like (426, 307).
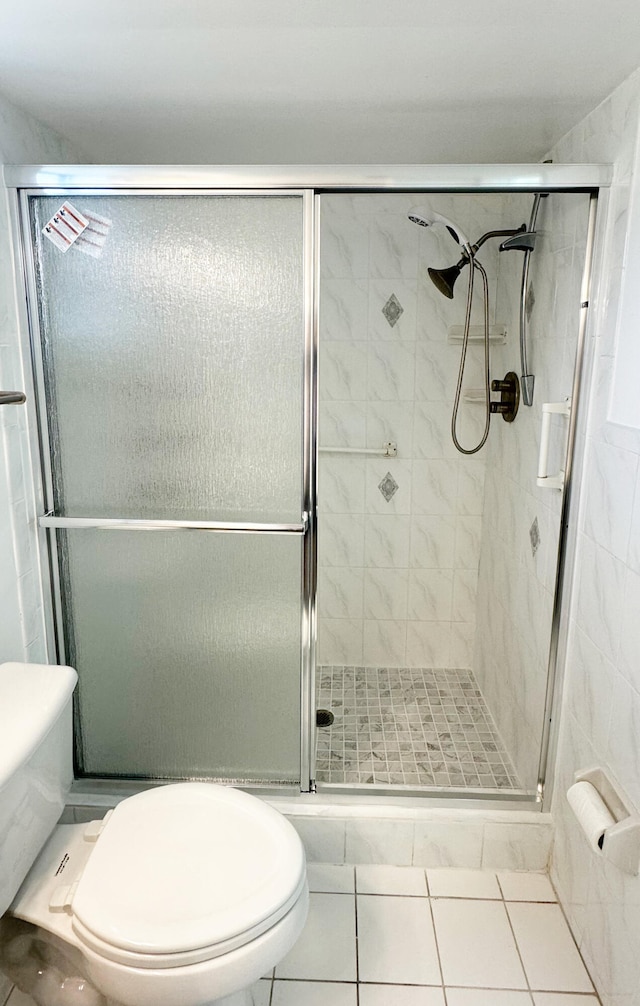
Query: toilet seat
(185, 873)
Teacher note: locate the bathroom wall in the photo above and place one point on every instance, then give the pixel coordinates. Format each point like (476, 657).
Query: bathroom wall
(601, 705)
(397, 560)
(521, 523)
(22, 140)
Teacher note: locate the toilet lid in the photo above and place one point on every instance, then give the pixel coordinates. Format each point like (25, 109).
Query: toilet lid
(187, 866)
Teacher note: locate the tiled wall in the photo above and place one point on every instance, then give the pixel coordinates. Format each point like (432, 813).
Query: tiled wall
(22, 140)
(398, 568)
(601, 705)
(521, 523)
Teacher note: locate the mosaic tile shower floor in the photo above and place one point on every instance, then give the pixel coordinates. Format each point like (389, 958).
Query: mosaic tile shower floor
(409, 726)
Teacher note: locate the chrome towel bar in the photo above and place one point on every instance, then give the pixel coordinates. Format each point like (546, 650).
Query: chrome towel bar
(12, 398)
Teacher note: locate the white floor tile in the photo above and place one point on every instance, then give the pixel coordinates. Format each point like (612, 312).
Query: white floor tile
(261, 993)
(488, 997)
(313, 994)
(395, 941)
(526, 887)
(454, 883)
(550, 957)
(476, 944)
(326, 951)
(563, 999)
(400, 995)
(401, 880)
(329, 879)
(18, 998)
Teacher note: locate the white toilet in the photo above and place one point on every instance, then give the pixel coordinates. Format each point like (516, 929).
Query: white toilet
(184, 895)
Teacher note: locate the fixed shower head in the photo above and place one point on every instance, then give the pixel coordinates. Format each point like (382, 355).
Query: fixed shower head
(445, 278)
(426, 218)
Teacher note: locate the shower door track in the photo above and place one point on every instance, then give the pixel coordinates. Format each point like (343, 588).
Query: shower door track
(309, 181)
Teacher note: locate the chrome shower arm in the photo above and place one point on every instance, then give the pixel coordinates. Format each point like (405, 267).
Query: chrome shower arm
(511, 232)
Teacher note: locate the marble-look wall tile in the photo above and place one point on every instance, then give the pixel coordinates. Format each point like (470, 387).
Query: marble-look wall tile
(372, 841)
(340, 640)
(599, 595)
(343, 371)
(431, 595)
(434, 487)
(22, 631)
(610, 486)
(342, 424)
(341, 540)
(601, 714)
(344, 307)
(341, 485)
(344, 245)
(387, 540)
(629, 649)
(508, 844)
(384, 642)
(323, 839)
(429, 644)
(385, 593)
(388, 373)
(393, 247)
(433, 542)
(340, 592)
(448, 844)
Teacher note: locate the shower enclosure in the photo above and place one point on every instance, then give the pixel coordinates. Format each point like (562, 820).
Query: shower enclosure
(213, 501)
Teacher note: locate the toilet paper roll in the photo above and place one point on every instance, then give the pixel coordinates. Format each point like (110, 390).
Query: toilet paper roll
(591, 812)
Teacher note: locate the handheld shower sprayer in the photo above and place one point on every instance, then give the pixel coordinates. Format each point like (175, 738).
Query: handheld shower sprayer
(426, 218)
(444, 280)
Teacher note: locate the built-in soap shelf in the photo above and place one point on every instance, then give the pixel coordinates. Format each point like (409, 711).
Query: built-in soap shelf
(610, 828)
(497, 334)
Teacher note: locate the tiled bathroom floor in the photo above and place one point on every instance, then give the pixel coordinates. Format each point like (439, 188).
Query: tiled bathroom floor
(403, 936)
(410, 726)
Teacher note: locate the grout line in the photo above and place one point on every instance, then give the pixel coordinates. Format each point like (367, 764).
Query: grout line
(435, 938)
(515, 940)
(355, 902)
(584, 963)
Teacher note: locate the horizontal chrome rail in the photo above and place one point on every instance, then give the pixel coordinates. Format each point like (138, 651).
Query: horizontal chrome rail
(388, 450)
(323, 177)
(12, 398)
(131, 524)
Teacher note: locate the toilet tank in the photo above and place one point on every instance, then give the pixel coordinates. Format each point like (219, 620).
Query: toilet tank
(36, 765)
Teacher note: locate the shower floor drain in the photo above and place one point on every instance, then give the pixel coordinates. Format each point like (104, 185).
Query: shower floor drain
(324, 717)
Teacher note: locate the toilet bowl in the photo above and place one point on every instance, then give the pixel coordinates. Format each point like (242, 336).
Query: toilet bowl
(184, 895)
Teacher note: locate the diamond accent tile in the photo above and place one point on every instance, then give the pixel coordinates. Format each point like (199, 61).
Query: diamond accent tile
(392, 310)
(388, 486)
(534, 535)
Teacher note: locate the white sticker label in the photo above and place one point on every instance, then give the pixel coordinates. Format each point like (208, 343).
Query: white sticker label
(65, 226)
(92, 239)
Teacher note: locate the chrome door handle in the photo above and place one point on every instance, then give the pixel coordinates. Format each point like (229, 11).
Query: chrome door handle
(12, 397)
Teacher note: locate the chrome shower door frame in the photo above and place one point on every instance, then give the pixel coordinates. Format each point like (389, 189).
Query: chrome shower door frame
(311, 181)
(48, 521)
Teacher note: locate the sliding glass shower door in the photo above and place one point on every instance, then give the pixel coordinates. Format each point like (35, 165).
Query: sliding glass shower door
(173, 378)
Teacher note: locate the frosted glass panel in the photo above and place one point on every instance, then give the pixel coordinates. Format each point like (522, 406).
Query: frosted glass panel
(187, 645)
(174, 361)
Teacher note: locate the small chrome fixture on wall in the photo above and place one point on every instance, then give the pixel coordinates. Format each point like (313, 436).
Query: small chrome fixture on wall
(509, 389)
(12, 398)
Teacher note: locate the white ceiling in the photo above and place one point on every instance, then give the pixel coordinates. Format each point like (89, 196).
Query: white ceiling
(314, 81)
